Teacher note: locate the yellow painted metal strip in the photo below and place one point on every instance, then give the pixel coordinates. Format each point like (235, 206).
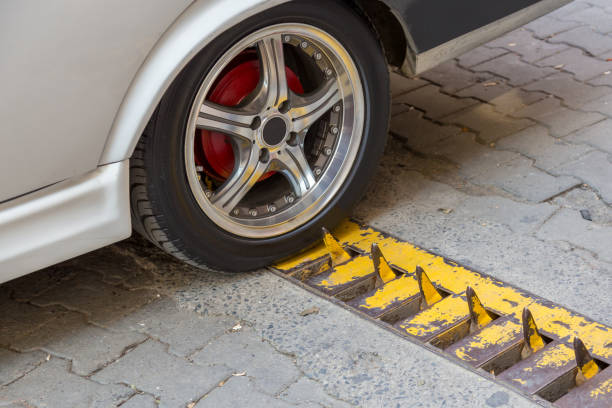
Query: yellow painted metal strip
(337, 254)
(533, 339)
(403, 287)
(439, 317)
(587, 367)
(493, 336)
(381, 266)
(479, 316)
(341, 275)
(429, 293)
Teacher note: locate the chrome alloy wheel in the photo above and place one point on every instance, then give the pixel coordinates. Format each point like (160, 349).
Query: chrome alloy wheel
(292, 151)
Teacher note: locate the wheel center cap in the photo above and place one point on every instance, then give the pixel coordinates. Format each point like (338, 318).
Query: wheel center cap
(274, 131)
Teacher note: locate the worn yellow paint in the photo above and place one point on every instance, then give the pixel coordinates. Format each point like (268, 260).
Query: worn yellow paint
(556, 356)
(588, 367)
(498, 296)
(384, 271)
(337, 254)
(496, 334)
(533, 339)
(445, 313)
(356, 268)
(520, 381)
(479, 315)
(429, 292)
(403, 287)
(603, 389)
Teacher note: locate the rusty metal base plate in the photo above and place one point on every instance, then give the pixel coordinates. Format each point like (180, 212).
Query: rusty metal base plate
(541, 349)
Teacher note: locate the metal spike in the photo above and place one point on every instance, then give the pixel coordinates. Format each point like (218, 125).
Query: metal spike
(381, 266)
(429, 293)
(587, 367)
(479, 316)
(337, 254)
(533, 340)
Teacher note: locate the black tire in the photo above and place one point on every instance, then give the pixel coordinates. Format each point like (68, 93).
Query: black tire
(163, 207)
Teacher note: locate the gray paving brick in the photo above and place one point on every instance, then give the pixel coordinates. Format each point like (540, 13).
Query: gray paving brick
(20, 319)
(584, 198)
(568, 225)
(489, 124)
(548, 152)
(103, 303)
(244, 351)
(419, 132)
(399, 108)
(519, 178)
(184, 331)
(547, 26)
(569, 9)
(51, 385)
(516, 71)
(71, 337)
(173, 380)
(433, 102)
(505, 98)
(28, 286)
(240, 392)
(574, 60)
(598, 135)
(605, 79)
(452, 78)
(307, 390)
(522, 42)
(594, 169)
(478, 55)
(14, 365)
(584, 38)
(602, 105)
(594, 17)
(574, 93)
(140, 401)
(401, 84)
(559, 120)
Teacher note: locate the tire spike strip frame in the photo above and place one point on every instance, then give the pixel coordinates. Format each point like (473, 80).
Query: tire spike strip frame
(515, 338)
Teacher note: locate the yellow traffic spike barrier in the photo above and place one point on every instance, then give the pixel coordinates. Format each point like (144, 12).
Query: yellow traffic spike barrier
(587, 367)
(479, 316)
(384, 273)
(429, 293)
(337, 254)
(533, 339)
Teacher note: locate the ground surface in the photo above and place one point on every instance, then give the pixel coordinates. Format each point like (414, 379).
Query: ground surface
(491, 160)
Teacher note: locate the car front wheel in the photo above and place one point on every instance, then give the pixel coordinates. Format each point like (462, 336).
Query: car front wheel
(270, 133)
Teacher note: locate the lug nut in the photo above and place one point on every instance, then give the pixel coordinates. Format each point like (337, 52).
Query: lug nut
(318, 56)
(272, 208)
(290, 199)
(236, 212)
(287, 38)
(334, 130)
(317, 171)
(337, 108)
(208, 193)
(253, 212)
(328, 151)
(328, 72)
(304, 44)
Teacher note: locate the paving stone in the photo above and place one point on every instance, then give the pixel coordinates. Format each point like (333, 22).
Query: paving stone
(605, 79)
(594, 169)
(140, 401)
(584, 198)
(569, 226)
(70, 337)
(244, 351)
(516, 71)
(505, 98)
(598, 135)
(399, 108)
(51, 385)
(547, 26)
(20, 319)
(522, 42)
(574, 93)
(103, 303)
(548, 152)
(560, 120)
(520, 178)
(173, 380)
(307, 390)
(401, 84)
(569, 9)
(240, 392)
(184, 331)
(574, 60)
(14, 365)
(420, 133)
(452, 78)
(584, 38)
(28, 286)
(594, 17)
(489, 124)
(479, 55)
(602, 105)
(433, 102)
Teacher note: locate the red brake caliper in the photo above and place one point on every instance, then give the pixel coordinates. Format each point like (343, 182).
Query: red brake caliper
(215, 154)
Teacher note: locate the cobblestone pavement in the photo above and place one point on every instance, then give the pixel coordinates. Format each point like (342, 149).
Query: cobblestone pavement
(500, 159)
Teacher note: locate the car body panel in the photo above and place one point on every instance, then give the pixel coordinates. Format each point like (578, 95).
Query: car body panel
(66, 66)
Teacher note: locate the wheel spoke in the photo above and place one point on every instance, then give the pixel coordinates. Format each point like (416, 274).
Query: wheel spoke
(225, 120)
(273, 76)
(247, 172)
(307, 109)
(296, 168)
